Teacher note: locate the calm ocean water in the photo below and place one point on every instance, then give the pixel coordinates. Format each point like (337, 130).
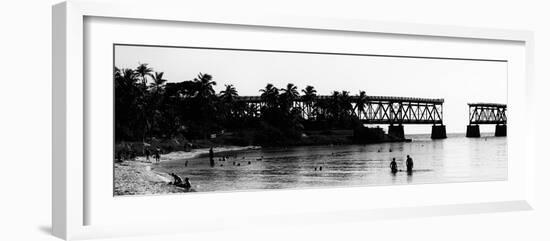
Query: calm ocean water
(455, 159)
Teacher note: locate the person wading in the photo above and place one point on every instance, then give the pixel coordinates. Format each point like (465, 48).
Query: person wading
(211, 157)
(410, 164)
(393, 166)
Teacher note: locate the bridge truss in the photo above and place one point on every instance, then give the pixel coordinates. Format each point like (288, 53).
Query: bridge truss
(369, 109)
(487, 113)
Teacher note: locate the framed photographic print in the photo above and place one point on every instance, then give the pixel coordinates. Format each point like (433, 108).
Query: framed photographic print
(262, 119)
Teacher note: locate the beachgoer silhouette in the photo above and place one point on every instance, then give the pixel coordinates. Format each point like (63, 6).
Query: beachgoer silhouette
(409, 164)
(320, 168)
(157, 155)
(177, 179)
(211, 152)
(393, 166)
(186, 185)
(186, 163)
(147, 154)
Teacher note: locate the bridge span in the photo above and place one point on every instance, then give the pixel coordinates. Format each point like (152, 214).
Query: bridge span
(486, 113)
(389, 110)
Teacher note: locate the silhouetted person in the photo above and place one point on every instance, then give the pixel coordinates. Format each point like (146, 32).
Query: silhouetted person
(186, 185)
(320, 168)
(410, 164)
(393, 166)
(177, 179)
(186, 163)
(211, 152)
(147, 154)
(157, 155)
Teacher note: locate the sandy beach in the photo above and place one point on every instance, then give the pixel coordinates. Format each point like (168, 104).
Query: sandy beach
(138, 177)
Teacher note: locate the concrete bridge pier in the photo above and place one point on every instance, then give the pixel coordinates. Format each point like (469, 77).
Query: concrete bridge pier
(472, 131)
(439, 132)
(500, 130)
(396, 131)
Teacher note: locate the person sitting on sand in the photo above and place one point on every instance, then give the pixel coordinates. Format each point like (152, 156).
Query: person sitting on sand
(186, 185)
(177, 179)
(393, 166)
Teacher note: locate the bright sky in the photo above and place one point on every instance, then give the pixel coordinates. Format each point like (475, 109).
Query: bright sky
(457, 81)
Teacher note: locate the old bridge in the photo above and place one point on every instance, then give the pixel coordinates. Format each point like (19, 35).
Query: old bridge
(486, 113)
(393, 111)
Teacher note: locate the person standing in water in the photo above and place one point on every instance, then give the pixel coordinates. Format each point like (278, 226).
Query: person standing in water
(147, 154)
(211, 152)
(410, 164)
(157, 155)
(393, 166)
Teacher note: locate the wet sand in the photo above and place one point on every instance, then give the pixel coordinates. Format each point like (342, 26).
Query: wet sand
(138, 177)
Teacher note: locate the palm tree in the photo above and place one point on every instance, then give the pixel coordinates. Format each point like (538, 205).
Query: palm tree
(206, 86)
(360, 103)
(158, 81)
(143, 71)
(309, 96)
(129, 76)
(228, 97)
(289, 94)
(345, 103)
(270, 95)
(334, 105)
(229, 94)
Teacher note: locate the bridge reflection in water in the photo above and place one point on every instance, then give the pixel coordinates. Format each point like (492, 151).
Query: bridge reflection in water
(393, 111)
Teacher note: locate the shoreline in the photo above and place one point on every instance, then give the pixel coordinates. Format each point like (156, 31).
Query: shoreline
(138, 177)
(195, 153)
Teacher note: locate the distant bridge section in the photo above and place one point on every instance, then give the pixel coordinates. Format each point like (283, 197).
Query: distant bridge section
(391, 110)
(486, 113)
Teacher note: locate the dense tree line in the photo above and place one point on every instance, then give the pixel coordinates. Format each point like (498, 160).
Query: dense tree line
(147, 107)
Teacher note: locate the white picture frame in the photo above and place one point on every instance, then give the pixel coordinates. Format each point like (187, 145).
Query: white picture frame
(70, 189)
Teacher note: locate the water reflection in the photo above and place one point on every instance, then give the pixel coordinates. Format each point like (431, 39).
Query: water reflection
(455, 159)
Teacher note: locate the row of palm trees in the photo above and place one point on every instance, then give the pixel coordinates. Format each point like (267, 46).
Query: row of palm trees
(146, 106)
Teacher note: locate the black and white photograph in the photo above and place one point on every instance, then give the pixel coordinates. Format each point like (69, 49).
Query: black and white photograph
(193, 119)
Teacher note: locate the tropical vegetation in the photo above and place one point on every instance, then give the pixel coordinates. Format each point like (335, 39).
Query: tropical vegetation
(148, 107)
